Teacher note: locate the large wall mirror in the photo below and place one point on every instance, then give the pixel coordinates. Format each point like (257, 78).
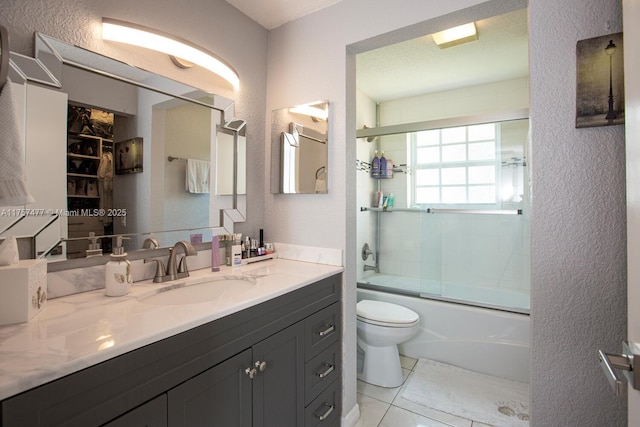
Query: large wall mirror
(299, 149)
(115, 150)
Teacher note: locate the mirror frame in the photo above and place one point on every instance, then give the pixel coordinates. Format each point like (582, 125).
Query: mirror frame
(289, 136)
(47, 68)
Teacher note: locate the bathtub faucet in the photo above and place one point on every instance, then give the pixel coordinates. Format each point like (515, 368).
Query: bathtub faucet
(371, 267)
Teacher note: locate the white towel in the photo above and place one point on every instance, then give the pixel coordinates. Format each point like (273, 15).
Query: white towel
(13, 186)
(197, 180)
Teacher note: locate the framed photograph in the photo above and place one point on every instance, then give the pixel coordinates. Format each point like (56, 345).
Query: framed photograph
(127, 156)
(600, 81)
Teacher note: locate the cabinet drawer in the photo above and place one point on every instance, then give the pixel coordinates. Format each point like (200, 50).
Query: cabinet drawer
(321, 330)
(325, 410)
(321, 371)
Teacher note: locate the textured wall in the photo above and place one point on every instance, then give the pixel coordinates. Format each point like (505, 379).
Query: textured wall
(577, 227)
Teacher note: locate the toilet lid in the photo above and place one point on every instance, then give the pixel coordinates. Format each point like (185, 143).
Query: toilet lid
(385, 312)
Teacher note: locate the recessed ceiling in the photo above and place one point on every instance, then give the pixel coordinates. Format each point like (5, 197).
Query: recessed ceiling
(419, 66)
(273, 13)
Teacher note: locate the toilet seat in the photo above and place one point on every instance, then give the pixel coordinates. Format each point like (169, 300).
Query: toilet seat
(386, 314)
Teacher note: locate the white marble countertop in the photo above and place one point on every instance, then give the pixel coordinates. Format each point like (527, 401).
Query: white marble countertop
(78, 331)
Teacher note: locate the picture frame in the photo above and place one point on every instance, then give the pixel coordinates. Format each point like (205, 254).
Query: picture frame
(600, 81)
(127, 156)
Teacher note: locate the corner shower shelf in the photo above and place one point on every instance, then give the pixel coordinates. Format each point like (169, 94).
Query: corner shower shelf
(446, 211)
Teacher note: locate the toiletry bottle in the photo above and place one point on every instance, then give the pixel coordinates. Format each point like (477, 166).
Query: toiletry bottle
(117, 277)
(261, 243)
(228, 243)
(236, 250)
(389, 173)
(390, 200)
(383, 166)
(236, 255)
(375, 165)
(215, 253)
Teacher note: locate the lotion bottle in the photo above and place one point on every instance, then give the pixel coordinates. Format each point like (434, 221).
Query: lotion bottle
(118, 279)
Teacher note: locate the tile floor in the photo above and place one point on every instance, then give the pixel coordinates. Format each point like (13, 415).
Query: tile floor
(385, 407)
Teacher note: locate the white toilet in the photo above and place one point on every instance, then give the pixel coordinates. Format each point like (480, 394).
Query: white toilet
(381, 327)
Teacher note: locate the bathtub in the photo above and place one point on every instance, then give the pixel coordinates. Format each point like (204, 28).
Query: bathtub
(484, 340)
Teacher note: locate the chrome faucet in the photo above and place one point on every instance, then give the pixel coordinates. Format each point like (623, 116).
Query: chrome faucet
(366, 251)
(372, 267)
(150, 243)
(177, 270)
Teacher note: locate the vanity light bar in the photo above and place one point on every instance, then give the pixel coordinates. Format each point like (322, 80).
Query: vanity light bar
(149, 38)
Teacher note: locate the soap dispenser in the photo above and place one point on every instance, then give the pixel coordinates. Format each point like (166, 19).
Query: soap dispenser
(117, 279)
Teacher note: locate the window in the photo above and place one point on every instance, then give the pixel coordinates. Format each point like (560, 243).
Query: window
(457, 165)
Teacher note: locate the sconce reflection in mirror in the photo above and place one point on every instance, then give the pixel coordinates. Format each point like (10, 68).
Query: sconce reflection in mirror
(299, 149)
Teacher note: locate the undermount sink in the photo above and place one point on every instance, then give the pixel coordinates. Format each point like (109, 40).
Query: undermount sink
(199, 292)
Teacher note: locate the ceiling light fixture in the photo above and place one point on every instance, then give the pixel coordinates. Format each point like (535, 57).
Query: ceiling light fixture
(456, 35)
(149, 38)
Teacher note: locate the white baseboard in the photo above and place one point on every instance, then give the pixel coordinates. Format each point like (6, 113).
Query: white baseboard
(352, 417)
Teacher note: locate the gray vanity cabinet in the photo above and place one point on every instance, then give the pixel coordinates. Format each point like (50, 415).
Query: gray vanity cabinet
(260, 387)
(273, 364)
(278, 387)
(151, 414)
(219, 396)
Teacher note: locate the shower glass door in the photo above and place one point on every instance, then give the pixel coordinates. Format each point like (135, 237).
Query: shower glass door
(458, 227)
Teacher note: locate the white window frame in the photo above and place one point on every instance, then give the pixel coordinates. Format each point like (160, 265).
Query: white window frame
(412, 142)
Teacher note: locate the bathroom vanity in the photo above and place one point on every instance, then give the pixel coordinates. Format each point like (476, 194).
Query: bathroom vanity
(262, 355)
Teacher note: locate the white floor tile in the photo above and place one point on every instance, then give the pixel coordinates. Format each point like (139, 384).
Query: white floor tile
(425, 411)
(371, 411)
(381, 393)
(397, 417)
(407, 362)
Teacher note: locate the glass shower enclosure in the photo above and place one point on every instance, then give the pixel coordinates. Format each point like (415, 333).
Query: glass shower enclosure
(450, 219)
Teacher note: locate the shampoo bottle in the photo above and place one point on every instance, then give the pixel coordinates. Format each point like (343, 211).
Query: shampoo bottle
(118, 279)
(383, 166)
(375, 165)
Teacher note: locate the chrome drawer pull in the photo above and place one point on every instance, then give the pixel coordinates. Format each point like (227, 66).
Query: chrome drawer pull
(327, 413)
(262, 366)
(251, 372)
(330, 328)
(330, 368)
